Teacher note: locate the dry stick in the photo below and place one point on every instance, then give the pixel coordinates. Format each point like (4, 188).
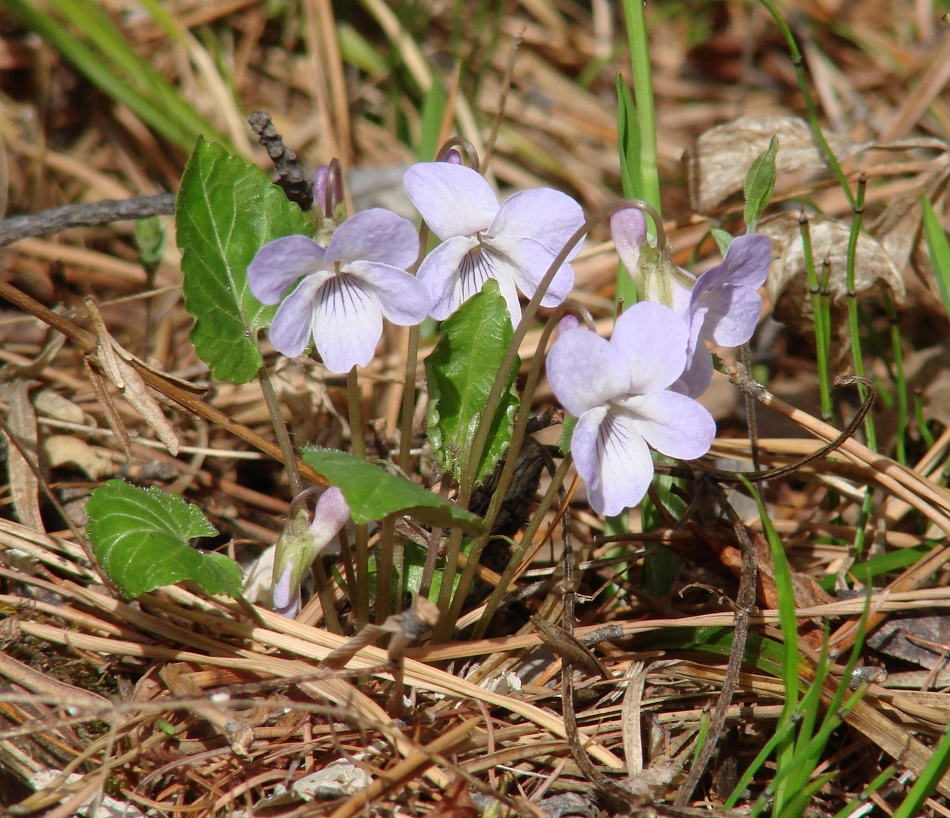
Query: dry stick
(615, 794)
(745, 602)
(87, 343)
(85, 215)
(503, 98)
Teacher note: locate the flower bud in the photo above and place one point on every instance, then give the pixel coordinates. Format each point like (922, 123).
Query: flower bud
(300, 544)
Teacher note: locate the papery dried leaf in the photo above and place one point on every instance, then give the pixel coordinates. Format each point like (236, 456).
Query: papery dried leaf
(64, 450)
(116, 363)
(716, 166)
(874, 268)
(137, 394)
(787, 285)
(21, 423)
(51, 404)
(898, 226)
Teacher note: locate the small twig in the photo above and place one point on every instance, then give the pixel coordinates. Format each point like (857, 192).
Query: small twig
(745, 602)
(503, 99)
(85, 215)
(615, 794)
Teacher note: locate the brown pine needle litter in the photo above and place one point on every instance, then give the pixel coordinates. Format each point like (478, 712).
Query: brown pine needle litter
(181, 704)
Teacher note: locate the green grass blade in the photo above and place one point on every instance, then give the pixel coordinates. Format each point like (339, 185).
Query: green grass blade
(433, 112)
(109, 63)
(788, 623)
(939, 248)
(924, 786)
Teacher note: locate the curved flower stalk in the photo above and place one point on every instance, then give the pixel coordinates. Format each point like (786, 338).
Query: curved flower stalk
(301, 543)
(721, 306)
(618, 391)
(513, 243)
(344, 290)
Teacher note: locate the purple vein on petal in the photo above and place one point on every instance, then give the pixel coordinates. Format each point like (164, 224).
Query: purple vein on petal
(475, 269)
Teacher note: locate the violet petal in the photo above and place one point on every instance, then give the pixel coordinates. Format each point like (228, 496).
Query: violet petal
(629, 230)
(454, 200)
(526, 261)
(375, 235)
(279, 263)
(612, 459)
(586, 371)
(653, 340)
(439, 273)
(290, 330)
(347, 324)
(673, 424)
(547, 215)
(403, 299)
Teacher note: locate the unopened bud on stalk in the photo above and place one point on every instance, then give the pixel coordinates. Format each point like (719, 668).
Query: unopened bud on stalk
(301, 543)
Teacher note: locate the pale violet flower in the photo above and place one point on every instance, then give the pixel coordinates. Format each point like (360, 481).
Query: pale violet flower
(344, 290)
(721, 306)
(513, 243)
(618, 391)
(301, 543)
(724, 307)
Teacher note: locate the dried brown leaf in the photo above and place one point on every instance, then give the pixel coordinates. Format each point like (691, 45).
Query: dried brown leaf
(21, 424)
(64, 450)
(117, 365)
(898, 226)
(716, 166)
(787, 285)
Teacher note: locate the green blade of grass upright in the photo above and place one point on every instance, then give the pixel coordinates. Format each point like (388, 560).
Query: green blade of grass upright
(788, 623)
(433, 112)
(628, 138)
(939, 248)
(927, 782)
(645, 110)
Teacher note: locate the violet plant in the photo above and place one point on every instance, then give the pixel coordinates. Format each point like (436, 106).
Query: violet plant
(326, 283)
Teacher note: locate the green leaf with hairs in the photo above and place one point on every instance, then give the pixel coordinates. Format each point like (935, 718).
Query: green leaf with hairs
(225, 212)
(373, 493)
(141, 539)
(460, 373)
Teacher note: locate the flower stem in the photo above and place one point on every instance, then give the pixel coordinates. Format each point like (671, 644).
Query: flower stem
(820, 317)
(408, 400)
(412, 360)
(280, 430)
(360, 598)
(798, 61)
(504, 480)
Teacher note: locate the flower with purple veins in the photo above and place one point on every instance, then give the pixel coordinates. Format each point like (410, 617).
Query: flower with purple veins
(301, 543)
(724, 307)
(617, 389)
(514, 243)
(344, 290)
